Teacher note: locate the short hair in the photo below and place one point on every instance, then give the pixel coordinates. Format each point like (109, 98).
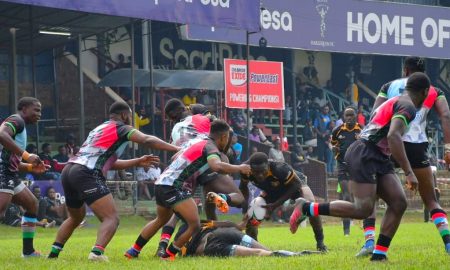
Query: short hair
(219, 126)
(258, 158)
(119, 107)
(173, 104)
(35, 187)
(417, 82)
(25, 102)
(45, 145)
(350, 108)
(61, 147)
(198, 109)
(30, 148)
(415, 64)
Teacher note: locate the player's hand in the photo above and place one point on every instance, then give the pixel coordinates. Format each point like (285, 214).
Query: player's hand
(245, 169)
(40, 168)
(34, 159)
(148, 161)
(411, 182)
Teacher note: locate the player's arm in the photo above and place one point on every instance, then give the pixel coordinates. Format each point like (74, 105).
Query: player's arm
(443, 111)
(151, 141)
(292, 182)
(144, 161)
(382, 97)
(243, 187)
(7, 131)
(217, 165)
(33, 168)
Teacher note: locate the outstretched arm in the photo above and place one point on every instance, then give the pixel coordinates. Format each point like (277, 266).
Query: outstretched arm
(144, 161)
(217, 165)
(152, 142)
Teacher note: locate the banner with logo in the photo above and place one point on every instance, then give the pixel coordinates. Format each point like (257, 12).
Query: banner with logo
(266, 84)
(224, 13)
(350, 26)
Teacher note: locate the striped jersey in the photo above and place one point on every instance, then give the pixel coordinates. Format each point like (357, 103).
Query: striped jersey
(188, 164)
(417, 129)
(342, 136)
(380, 121)
(9, 160)
(104, 145)
(192, 127)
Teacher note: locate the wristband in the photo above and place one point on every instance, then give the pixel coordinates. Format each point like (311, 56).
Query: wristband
(29, 167)
(25, 155)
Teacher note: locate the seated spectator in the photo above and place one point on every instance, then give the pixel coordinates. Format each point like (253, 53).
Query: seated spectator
(310, 153)
(309, 134)
(70, 145)
(62, 156)
(42, 203)
(190, 98)
(56, 210)
(275, 152)
(32, 149)
(50, 174)
(298, 158)
(146, 178)
(320, 100)
(254, 135)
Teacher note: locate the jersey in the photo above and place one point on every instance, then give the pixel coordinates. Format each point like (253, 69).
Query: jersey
(189, 164)
(343, 137)
(192, 127)
(417, 130)
(380, 121)
(9, 160)
(281, 175)
(104, 145)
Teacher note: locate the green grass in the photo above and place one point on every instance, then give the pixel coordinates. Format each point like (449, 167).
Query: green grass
(417, 245)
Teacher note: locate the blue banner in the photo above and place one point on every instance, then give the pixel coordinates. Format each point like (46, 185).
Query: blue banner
(350, 26)
(240, 14)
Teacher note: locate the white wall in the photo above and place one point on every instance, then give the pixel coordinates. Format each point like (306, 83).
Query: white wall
(322, 64)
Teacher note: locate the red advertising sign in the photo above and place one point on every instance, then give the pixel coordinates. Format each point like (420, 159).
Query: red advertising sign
(266, 84)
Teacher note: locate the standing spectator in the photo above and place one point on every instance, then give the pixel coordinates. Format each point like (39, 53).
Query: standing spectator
(140, 117)
(361, 116)
(309, 134)
(56, 210)
(70, 145)
(50, 174)
(287, 113)
(237, 148)
(62, 156)
(190, 98)
(275, 152)
(254, 135)
(320, 100)
(321, 127)
(238, 122)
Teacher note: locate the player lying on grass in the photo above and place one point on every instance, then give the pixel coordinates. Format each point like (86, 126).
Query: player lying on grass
(174, 187)
(278, 183)
(194, 122)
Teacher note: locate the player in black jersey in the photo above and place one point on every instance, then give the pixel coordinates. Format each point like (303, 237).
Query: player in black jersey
(278, 183)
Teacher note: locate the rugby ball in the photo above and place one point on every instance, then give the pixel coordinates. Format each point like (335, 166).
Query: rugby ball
(255, 210)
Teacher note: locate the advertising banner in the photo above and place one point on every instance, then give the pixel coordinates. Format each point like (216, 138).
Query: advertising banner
(350, 26)
(266, 84)
(237, 14)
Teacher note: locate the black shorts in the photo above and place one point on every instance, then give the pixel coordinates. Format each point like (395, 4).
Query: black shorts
(343, 174)
(169, 196)
(207, 176)
(10, 182)
(274, 196)
(417, 154)
(366, 163)
(82, 185)
(222, 241)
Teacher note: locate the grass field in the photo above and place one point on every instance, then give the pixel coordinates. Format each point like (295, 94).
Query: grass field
(417, 245)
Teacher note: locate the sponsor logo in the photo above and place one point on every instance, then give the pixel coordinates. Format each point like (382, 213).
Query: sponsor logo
(276, 20)
(322, 9)
(215, 3)
(238, 74)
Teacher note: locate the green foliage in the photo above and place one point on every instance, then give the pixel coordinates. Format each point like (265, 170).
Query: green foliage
(417, 245)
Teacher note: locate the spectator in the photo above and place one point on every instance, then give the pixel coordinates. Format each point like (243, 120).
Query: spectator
(50, 174)
(275, 152)
(298, 158)
(237, 148)
(42, 203)
(310, 153)
(62, 156)
(309, 134)
(361, 116)
(146, 178)
(238, 122)
(70, 145)
(287, 113)
(305, 112)
(32, 149)
(56, 210)
(328, 149)
(190, 98)
(285, 142)
(254, 149)
(320, 100)
(321, 124)
(254, 135)
(140, 117)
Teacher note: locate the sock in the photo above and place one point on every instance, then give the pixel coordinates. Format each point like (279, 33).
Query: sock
(369, 231)
(316, 209)
(318, 235)
(346, 225)
(56, 249)
(98, 250)
(381, 248)
(439, 218)
(171, 251)
(139, 244)
(226, 197)
(28, 231)
(166, 234)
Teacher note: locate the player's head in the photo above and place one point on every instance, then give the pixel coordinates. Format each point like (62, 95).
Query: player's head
(36, 191)
(199, 109)
(220, 133)
(350, 115)
(413, 64)
(120, 111)
(175, 109)
(30, 109)
(259, 164)
(417, 87)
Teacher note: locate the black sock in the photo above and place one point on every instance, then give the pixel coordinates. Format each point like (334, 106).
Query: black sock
(172, 250)
(346, 223)
(381, 248)
(318, 209)
(56, 249)
(368, 222)
(140, 242)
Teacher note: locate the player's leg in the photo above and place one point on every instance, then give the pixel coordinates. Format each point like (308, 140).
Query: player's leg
(391, 191)
(345, 191)
(428, 195)
(242, 251)
(5, 200)
(187, 209)
(166, 234)
(315, 221)
(227, 191)
(369, 235)
(28, 201)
